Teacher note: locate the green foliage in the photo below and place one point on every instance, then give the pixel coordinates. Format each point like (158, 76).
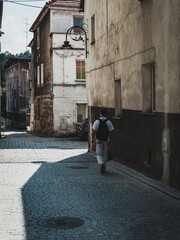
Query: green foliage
(26, 54)
(3, 59)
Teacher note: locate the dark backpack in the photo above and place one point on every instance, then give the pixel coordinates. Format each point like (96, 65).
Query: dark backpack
(102, 133)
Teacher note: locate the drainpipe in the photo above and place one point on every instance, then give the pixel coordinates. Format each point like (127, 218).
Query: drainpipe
(166, 131)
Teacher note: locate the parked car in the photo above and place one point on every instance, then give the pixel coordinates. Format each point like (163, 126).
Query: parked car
(82, 130)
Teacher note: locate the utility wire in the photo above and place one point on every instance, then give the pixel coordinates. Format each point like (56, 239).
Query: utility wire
(26, 5)
(14, 1)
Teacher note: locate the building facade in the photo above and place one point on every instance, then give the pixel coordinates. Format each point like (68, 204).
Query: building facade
(18, 92)
(59, 86)
(1, 14)
(133, 71)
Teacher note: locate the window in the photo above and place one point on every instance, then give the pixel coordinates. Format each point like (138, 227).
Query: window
(38, 109)
(78, 21)
(22, 102)
(42, 73)
(29, 65)
(118, 104)
(81, 112)
(29, 103)
(80, 70)
(38, 76)
(35, 73)
(21, 88)
(148, 87)
(8, 107)
(30, 84)
(38, 38)
(93, 29)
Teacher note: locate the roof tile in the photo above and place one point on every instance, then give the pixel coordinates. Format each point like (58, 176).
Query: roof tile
(64, 3)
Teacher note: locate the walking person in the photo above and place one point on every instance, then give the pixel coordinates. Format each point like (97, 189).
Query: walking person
(102, 131)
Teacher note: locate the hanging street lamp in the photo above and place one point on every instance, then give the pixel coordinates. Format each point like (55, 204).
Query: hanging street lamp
(80, 35)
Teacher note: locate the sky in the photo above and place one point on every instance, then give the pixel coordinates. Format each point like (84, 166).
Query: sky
(14, 24)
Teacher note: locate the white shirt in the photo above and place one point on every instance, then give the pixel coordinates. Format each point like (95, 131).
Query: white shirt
(108, 122)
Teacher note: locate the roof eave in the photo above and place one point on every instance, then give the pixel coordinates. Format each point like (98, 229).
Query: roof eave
(31, 44)
(39, 18)
(45, 10)
(64, 8)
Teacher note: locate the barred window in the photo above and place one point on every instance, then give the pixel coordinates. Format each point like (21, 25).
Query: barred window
(80, 70)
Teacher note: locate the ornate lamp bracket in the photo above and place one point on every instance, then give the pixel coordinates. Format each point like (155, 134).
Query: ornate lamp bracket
(79, 37)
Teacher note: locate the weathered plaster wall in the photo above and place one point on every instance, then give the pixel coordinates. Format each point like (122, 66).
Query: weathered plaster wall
(44, 55)
(62, 20)
(65, 108)
(129, 34)
(67, 90)
(57, 40)
(43, 104)
(64, 65)
(55, 100)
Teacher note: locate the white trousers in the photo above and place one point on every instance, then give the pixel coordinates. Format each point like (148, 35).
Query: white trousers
(102, 149)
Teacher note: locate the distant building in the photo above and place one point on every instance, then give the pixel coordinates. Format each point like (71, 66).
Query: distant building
(18, 92)
(59, 86)
(1, 13)
(133, 71)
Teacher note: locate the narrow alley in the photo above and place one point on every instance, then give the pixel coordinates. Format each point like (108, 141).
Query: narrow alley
(51, 189)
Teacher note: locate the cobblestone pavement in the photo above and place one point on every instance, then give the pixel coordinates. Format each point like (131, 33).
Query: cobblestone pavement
(51, 189)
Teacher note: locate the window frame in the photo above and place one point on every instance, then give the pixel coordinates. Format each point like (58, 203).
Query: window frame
(81, 71)
(84, 115)
(148, 88)
(93, 29)
(38, 76)
(42, 73)
(38, 38)
(78, 30)
(118, 98)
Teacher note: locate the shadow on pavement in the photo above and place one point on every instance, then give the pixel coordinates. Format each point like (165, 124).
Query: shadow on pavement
(54, 200)
(70, 199)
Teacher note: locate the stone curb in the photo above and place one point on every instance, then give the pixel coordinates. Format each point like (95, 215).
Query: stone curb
(159, 186)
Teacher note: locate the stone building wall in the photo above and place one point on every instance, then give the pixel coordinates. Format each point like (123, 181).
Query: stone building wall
(135, 42)
(56, 99)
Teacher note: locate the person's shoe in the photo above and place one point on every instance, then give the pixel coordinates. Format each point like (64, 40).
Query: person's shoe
(103, 167)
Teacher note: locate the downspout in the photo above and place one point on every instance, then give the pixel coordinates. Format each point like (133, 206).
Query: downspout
(166, 131)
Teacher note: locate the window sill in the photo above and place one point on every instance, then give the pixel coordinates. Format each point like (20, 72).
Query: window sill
(148, 113)
(80, 80)
(117, 118)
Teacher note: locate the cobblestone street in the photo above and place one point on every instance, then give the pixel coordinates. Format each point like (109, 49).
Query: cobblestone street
(51, 189)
